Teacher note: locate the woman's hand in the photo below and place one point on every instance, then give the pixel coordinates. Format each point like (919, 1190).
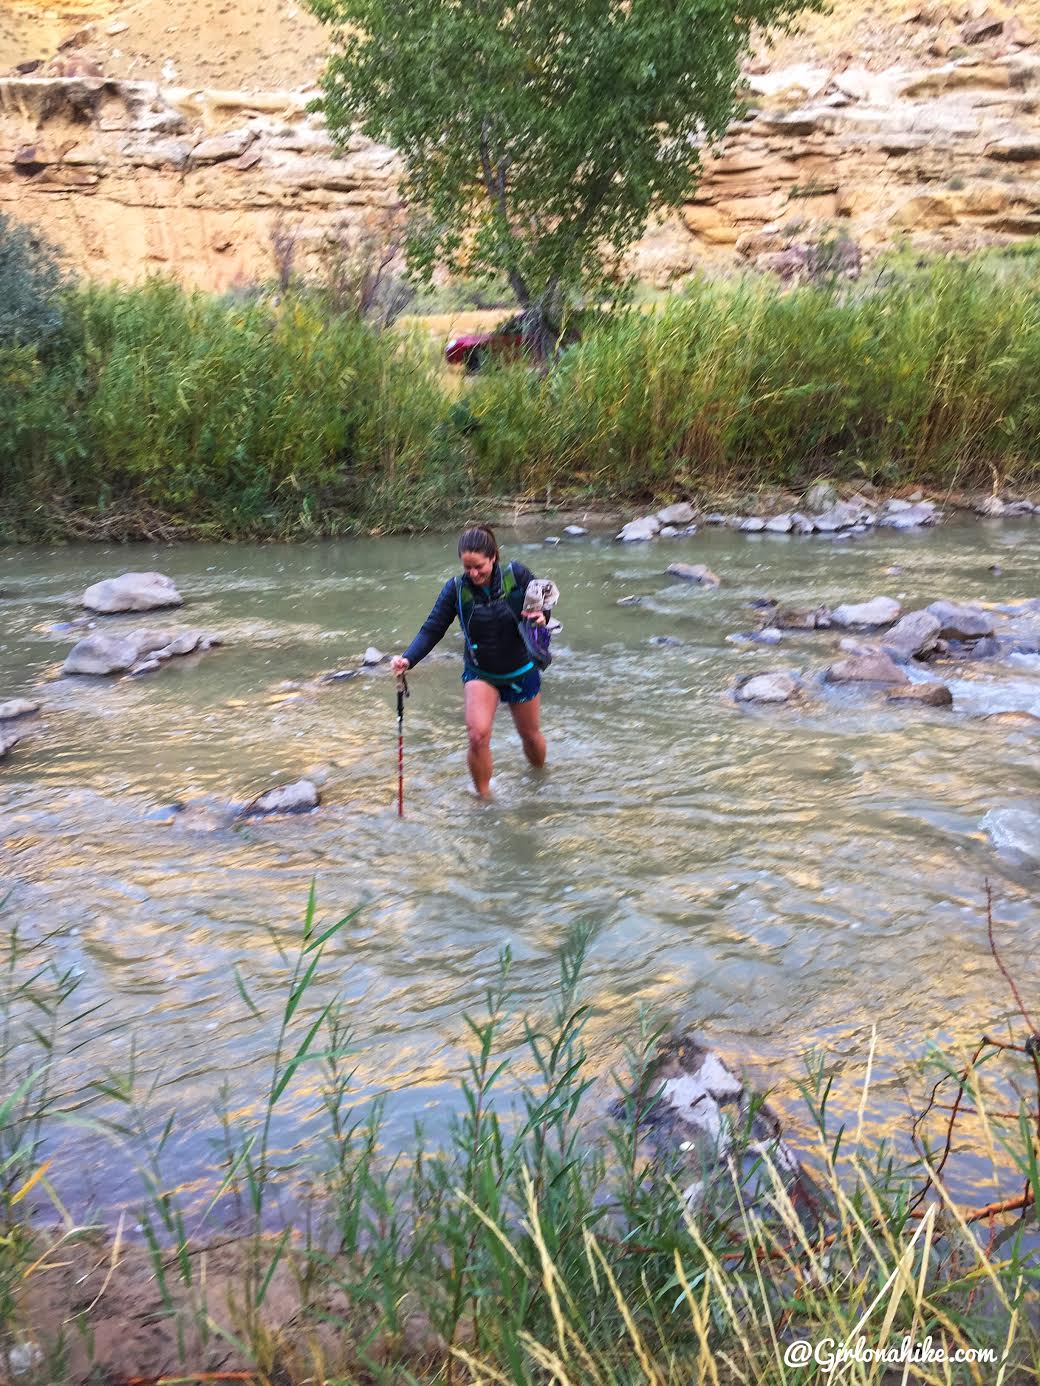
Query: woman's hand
(399, 664)
(536, 618)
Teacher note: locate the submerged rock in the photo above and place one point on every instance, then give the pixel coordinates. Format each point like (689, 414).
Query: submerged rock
(930, 694)
(628, 601)
(1017, 717)
(132, 592)
(17, 707)
(9, 738)
(665, 641)
(299, 797)
(693, 572)
(777, 687)
(138, 651)
(373, 657)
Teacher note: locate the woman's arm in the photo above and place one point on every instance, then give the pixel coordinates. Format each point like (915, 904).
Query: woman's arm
(435, 627)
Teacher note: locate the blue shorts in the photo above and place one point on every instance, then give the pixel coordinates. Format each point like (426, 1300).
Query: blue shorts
(519, 690)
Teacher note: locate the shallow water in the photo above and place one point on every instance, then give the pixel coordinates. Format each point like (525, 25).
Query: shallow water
(779, 878)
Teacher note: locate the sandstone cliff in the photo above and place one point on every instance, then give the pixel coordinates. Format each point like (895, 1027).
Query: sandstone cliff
(933, 135)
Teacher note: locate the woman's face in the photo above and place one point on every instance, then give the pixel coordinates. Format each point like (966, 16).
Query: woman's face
(478, 567)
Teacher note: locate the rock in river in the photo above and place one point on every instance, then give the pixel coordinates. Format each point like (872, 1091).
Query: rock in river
(872, 667)
(132, 592)
(299, 797)
(645, 528)
(913, 636)
(880, 611)
(8, 738)
(930, 694)
(961, 622)
(766, 688)
(681, 513)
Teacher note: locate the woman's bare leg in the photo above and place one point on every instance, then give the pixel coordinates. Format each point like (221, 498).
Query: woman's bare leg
(527, 717)
(481, 705)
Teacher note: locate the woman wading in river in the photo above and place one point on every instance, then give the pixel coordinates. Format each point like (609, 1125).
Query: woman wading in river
(489, 603)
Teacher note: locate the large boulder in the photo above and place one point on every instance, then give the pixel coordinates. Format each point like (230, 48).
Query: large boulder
(879, 611)
(777, 687)
(299, 797)
(962, 622)
(869, 667)
(914, 636)
(647, 527)
(842, 515)
(132, 592)
(693, 572)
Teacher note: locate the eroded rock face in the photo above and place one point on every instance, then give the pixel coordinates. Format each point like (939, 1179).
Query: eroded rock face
(128, 175)
(132, 592)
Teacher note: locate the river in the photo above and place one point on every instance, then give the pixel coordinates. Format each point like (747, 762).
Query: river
(780, 879)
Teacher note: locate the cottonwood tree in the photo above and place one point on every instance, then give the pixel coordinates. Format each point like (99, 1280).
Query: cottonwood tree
(538, 136)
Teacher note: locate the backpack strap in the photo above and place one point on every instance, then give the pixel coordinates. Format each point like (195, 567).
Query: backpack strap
(470, 647)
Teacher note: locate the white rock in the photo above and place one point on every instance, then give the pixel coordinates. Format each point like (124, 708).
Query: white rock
(753, 524)
(17, 707)
(132, 592)
(801, 524)
(372, 657)
(181, 644)
(667, 532)
(646, 527)
(780, 524)
(679, 514)
(881, 611)
(574, 531)
(915, 634)
(992, 506)
(299, 797)
(766, 688)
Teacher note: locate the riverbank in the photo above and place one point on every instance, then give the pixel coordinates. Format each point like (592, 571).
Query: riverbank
(533, 1245)
(154, 414)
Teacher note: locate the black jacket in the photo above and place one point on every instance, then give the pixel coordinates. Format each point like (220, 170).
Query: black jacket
(494, 645)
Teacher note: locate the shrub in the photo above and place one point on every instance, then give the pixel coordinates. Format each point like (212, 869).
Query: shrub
(30, 286)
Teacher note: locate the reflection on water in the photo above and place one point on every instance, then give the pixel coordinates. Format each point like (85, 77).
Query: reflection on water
(779, 878)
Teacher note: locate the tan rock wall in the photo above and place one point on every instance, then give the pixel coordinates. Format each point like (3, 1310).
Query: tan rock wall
(133, 178)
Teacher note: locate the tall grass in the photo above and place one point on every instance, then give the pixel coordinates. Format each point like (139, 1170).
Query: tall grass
(158, 412)
(928, 376)
(228, 417)
(526, 1248)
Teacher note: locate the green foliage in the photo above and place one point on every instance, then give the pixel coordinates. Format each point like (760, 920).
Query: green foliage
(30, 284)
(927, 377)
(538, 138)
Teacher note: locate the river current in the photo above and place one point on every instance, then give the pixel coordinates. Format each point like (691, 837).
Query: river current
(780, 879)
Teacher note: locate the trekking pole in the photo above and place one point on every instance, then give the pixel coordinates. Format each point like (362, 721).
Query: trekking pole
(402, 693)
